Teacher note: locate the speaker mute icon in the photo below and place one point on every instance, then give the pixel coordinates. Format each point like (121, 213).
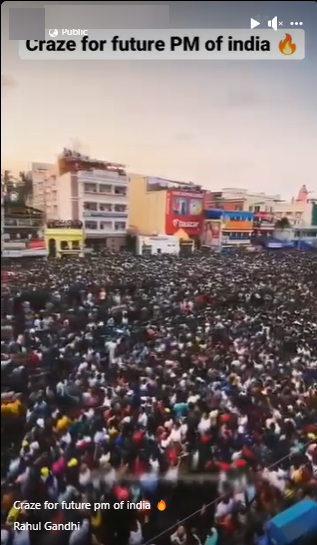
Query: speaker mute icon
(273, 23)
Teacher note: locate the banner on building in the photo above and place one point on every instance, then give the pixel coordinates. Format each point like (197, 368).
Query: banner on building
(32, 248)
(184, 211)
(212, 234)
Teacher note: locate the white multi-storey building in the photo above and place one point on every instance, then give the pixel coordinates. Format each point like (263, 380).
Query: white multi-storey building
(40, 173)
(91, 191)
(103, 205)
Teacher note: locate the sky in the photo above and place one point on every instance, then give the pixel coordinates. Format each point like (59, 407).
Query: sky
(244, 124)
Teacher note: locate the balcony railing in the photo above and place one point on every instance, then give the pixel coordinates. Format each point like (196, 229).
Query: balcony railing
(60, 224)
(99, 214)
(105, 176)
(10, 222)
(103, 228)
(100, 191)
(262, 224)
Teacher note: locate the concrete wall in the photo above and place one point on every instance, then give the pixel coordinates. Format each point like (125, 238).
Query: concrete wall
(159, 245)
(147, 209)
(64, 197)
(155, 213)
(137, 216)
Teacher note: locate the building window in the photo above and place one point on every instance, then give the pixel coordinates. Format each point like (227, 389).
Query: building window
(250, 208)
(90, 188)
(91, 225)
(90, 206)
(120, 207)
(64, 245)
(106, 225)
(105, 207)
(120, 226)
(105, 188)
(257, 208)
(118, 190)
(76, 245)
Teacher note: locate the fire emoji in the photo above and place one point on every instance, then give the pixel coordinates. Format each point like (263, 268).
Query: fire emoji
(286, 46)
(161, 505)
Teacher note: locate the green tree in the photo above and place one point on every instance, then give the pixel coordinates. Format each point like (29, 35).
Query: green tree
(17, 189)
(282, 224)
(25, 187)
(7, 181)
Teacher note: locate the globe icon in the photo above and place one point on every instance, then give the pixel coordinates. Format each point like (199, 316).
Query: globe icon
(53, 32)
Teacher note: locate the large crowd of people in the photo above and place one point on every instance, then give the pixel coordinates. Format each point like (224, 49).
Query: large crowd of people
(190, 381)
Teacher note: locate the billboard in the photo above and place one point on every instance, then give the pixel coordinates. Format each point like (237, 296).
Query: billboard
(212, 234)
(183, 211)
(32, 248)
(237, 225)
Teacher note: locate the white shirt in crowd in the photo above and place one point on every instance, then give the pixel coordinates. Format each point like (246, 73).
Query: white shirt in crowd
(224, 509)
(21, 537)
(136, 537)
(79, 537)
(204, 425)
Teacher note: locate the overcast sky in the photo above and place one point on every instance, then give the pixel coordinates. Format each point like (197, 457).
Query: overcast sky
(222, 124)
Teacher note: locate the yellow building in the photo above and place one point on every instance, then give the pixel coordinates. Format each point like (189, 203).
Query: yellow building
(146, 208)
(163, 207)
(61, 240)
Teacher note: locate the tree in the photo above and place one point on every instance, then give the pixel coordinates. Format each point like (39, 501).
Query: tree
(25, 187)
(131, 242)
(16, 189)
(8, 186)
(7, 181)
(282, 224)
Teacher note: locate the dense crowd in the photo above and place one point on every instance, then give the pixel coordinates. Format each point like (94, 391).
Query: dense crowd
(187, 380)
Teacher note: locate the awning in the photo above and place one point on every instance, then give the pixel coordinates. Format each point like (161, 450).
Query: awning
(182, 235)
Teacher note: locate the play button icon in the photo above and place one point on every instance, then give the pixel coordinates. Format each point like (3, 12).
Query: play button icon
(254, 23)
